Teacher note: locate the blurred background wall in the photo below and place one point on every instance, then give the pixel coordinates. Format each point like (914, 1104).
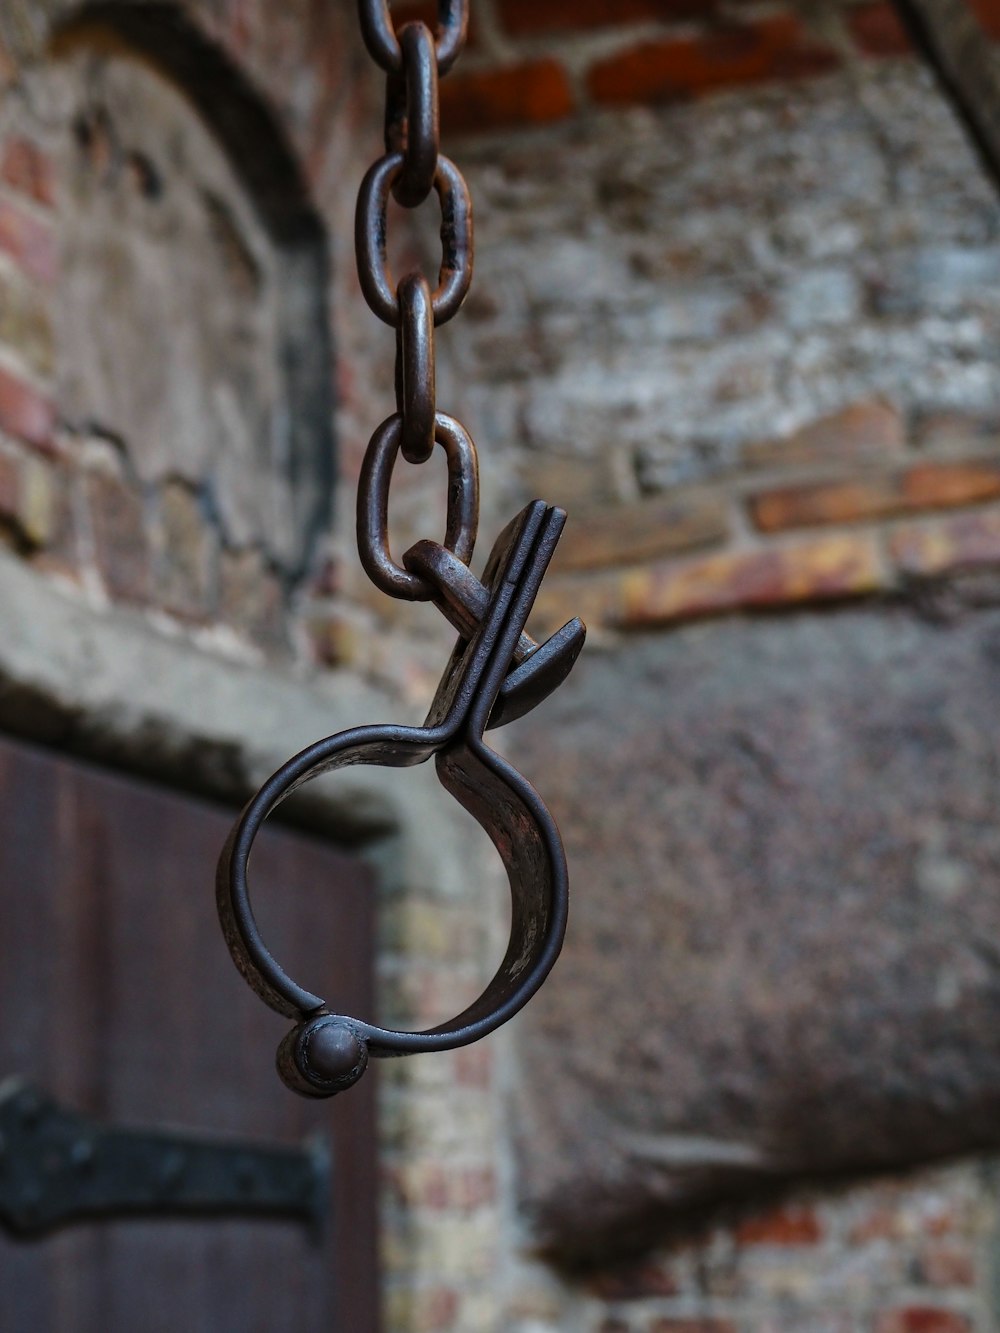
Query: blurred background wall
(736, 307)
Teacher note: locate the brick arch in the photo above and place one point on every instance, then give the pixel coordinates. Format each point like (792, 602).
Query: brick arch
(239, 117)
(292, 459)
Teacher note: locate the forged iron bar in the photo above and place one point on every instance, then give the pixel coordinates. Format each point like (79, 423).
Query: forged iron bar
(58, 1167)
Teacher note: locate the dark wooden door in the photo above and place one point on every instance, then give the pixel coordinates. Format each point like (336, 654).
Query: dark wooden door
(117, 995)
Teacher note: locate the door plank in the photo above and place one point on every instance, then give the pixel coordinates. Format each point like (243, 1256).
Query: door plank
(118, 995)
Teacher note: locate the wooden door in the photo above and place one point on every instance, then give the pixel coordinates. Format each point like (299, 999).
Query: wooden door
(118, 996)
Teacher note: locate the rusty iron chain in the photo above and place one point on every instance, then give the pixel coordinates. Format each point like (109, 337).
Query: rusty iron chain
(409, 170)
(497, 672)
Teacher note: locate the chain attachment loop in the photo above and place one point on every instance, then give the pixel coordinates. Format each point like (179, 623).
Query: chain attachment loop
(371, 238)
(415, 368)
(383, 45)
(373, 504)
(412, 116)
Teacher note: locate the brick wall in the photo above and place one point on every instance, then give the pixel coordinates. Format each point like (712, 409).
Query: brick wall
(737, 307)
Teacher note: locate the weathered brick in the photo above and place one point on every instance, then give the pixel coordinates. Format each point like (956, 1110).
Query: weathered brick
(988, 14)
(28, 241)
(635, 1281)
(772, 49)
(921, 1319)
(962, 542)
(118, 526)
(252, 600)
(835, 567)
(951, 429)
(8, 67)
(534, 93)
(578, 483)
(44, 508)
(10, 487)
(877, 30)
(869, 427)
(25, 412)
(438, 1185)
(26, 168)
(631, 534)
(782, 1226)
(670, 1324)
(474, 1066)
(335, 639)
(25, 325)
(927, 486)
(35, 511)
(947, 1264)
(188, 552)
(529, 18)
(423, 1310)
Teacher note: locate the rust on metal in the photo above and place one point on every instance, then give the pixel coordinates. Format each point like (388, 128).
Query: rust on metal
(497, 672)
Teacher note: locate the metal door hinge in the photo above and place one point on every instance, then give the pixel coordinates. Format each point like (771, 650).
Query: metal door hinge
(57, 1166)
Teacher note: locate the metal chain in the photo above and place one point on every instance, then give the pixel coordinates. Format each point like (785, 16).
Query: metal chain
(410, 169)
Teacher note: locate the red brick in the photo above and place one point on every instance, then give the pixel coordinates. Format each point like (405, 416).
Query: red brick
(784, 1226)
(869, 427)
(28, 241)
(25, 412)
(26, 168)
(426, 11)
(943, 485)
(877, 30)
(963, 542)
(775, 48)
(837, 567)
(534, 93)
(928, 486)
(529, 18)
(921, 1319)
(988, 14)
(824, 569)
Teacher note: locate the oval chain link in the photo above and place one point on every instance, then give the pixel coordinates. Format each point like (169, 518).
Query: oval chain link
(415, 369)
(410, 169)
(371, 239)
(412, 116)
(373, 504)
(383, 44)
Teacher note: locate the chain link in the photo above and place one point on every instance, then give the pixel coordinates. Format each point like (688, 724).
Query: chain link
(412, 116)
(383, 44)
(410, 169)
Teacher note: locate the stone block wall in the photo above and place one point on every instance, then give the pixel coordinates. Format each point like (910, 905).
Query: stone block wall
(736, 307)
